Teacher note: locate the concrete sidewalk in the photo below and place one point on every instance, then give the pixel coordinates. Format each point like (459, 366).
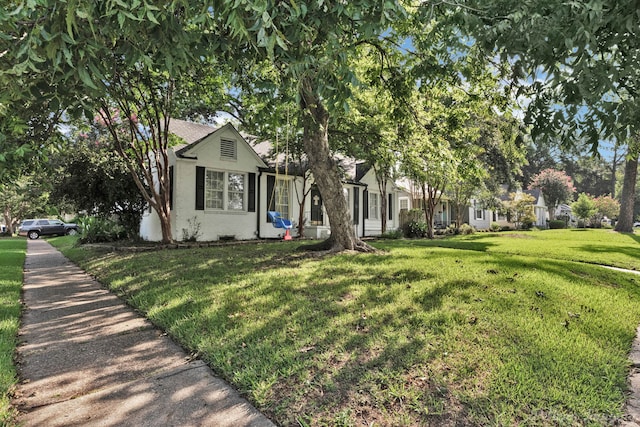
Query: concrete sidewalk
(85, 358)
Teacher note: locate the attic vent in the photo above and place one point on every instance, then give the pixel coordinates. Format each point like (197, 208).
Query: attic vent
(228, 149)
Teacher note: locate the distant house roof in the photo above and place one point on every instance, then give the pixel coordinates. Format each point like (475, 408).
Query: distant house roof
(189, 131)
(533, 192)
(361, 170)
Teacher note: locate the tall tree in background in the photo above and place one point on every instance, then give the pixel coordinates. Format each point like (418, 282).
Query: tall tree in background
(556, 186)
(625, 220)
(94, 179)
(21, 198)
(368, 129)
(580, 62)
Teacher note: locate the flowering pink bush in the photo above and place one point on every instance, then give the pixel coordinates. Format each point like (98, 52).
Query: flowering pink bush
(556, 186)
(607, 206)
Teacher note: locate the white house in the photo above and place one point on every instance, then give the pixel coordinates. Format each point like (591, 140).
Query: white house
(481, 218)
(222, 188)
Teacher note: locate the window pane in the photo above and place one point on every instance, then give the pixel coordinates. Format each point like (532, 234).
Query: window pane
(374, 207)
(214, 190)
(282, 197)
(236, 192)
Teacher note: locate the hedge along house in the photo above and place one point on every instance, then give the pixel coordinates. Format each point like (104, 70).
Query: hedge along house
(222, 187)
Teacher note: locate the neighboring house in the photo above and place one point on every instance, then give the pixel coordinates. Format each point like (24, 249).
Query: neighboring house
(222, 188)
(444, 213)
(481, 218)
(563, 212)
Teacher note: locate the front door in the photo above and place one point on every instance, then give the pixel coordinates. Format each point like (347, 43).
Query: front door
(316, 208)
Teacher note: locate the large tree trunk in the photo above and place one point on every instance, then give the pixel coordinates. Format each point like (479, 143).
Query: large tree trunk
(144, 153)
(325, 173)
(382, 186)
(8, 221)
(625, 220)
(552, 211)
(614, 169)
(302, 201)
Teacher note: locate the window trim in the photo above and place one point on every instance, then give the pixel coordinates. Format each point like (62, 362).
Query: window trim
(226, 191)
(374, 206)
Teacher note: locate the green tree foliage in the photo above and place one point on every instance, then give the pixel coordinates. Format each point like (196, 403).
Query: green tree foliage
(117, 59)
(310, 44)
(579, 62)
(584, 208)
(94, 179)
(519, 209)
(28, 133)
(22, 198)
(368, 129)
(606, 206)
(556, 187)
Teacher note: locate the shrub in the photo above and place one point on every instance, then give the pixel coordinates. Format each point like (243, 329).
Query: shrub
(97, 230)
(467, 229)
(191, 233)
(494, 226)
(505, 228)
(556, 224)
(416, 229)
(392, 234)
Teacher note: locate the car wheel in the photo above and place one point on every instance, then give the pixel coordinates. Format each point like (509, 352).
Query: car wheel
(72, 232)
(33, 234)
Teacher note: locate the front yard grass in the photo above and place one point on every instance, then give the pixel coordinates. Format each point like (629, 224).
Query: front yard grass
(594, 246)
(418, 335)
(12, 254)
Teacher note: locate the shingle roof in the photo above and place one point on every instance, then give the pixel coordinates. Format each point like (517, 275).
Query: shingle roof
(189, 131)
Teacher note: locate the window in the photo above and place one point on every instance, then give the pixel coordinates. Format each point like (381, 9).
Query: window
(374, 206)
(214, 190)
(404, 203)
(236, 192)
(282, 197)
(224, 190)
(228, 149)
(478, 211)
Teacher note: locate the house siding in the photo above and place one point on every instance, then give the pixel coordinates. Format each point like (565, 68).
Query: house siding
(189, 166)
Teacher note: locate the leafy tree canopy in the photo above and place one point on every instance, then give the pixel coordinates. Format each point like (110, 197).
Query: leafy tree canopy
(556, 187)
(580, 58)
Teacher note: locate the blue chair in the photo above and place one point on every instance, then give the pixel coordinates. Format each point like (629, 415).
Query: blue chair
(278, 222)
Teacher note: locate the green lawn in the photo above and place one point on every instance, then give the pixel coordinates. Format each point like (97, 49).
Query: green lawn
(604, 247)
(12, 253)
(488, 329)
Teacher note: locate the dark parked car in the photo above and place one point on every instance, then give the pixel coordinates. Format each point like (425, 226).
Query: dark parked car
(34, 228)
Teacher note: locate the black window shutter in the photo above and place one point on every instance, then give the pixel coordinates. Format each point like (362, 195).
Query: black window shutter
(199, 188)
(252, 192)
(271, 182)
(170, 187)
(390, 206)
(356, 205)
(365, 203)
